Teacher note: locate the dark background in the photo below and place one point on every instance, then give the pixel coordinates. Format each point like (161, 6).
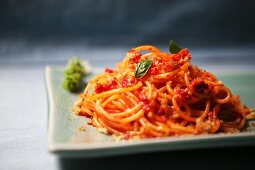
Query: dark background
(195, 23)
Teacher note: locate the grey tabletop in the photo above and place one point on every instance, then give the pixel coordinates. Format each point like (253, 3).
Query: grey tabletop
(23, 106)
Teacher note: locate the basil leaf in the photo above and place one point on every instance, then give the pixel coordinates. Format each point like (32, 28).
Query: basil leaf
(173, 47)
(142, 68)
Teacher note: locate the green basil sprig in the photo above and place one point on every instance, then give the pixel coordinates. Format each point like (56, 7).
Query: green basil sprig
(142, 68)
(173, 47)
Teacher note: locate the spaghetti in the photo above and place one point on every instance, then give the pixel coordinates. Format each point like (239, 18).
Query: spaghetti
(172, 98)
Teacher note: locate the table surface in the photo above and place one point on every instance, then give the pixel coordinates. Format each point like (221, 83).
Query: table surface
(23, 108)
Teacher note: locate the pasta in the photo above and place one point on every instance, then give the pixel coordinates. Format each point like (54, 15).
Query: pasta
(156, 94)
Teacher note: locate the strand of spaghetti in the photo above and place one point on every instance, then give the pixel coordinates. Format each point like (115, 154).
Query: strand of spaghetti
(164, 105)
(169, 89)
(95, 121)
(156, 81)
(154, 94)
(88, 102)
(216, 83)
(163, 56)
(187, 108)
(134, 115)
(232, 123)
(111, 106)
(132, 97)
(146, 122)
(117, 125)
(182, 128)
(177, 129)
(88, 105)
(162, 89)
(163, 95)
(86, 90)
(186, 78)
(175, 116)
(146, 48)
(87, 111)
(119, 105)
(151, 129)
(146, 56)
(129, 102)
(111, 98)
(183, 115)
(116, 91)
(227, 98)
(193, 100)
(122, 102)
(207, 109)
(149, 90)
(112, 111)
(242, 123)
(184, 123)
(215, 126)
(127, 112)
(109, 128)
(152, 132)
(185, 67)
(166, 75)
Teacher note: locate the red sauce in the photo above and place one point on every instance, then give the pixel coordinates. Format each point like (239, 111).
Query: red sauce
(175, 61)
(210, 88)
(108, 70)
(198, 85)
(182, 94)
(127, 82)
(135, 56)
(90, 123)
(147, 105)
(142, 97)
(159, 67)
(127, 136)
(163, 118)
(182, 56)
(106, 87)
(216, 110)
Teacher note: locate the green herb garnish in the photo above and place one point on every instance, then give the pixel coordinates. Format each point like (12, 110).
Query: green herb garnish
(142, 68)
(173, 47)
(74, 72)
